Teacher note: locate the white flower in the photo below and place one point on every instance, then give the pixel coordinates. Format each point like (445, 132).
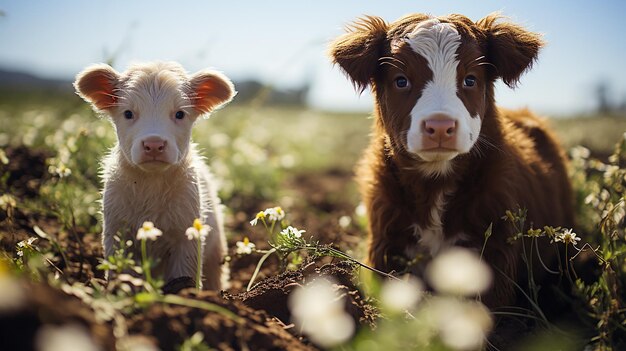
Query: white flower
(292, 232)
(319, 312)
(361, 210)
(344, 221)
(462, 324)
(198, 230)
(62, 171)
(65, 337)
(245, 247)
(25, 245)
(580, 152)
(148, 231)
(401, 295)
(260, 215)
(458, 271)
(275, 214)
(568, 237)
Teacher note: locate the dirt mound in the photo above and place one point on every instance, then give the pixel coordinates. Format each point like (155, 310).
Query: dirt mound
(169, 325)
(272, 294)
(41, 305)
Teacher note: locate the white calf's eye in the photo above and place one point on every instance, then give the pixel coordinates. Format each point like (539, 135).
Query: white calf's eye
(402, 82)
(180, 115)
(128, 114)
(469, 81)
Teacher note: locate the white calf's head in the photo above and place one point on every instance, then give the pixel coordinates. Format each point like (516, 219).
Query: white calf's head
(153, 107)
(432, 78)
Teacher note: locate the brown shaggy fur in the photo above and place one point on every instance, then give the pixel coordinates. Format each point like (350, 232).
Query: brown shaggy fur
(516, 163)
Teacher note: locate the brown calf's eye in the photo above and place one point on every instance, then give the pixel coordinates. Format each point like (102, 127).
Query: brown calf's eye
(469, 81)
(180, 115)
(128, 114)
(402, 82)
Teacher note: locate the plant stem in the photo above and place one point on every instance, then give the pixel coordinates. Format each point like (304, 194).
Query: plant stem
(199, 266)
(258, 267)
(144, 262)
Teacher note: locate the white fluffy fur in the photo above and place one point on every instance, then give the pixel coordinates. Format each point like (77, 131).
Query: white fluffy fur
(172, 191)
(437, 43)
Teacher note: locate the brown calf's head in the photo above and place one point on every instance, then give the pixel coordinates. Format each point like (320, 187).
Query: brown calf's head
(433, 77)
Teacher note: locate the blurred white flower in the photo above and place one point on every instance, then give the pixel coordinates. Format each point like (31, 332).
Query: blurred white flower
(292, 232)
(65, 337)
(275, 214)
(12, 294)
(610, 172)
(458, 271)
(344, 221)
(25, 245)
(462, 324)
(148, 231)
(136, 343)
(287, 161)
(360, 210)
(401, 295)
(580, 152)
(244, 247)
(319, 312)
(61, 170)
(567, 236)
(198, 230)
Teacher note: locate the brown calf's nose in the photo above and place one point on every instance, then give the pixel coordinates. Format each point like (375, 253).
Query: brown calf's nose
(153, 146)
(440, 129)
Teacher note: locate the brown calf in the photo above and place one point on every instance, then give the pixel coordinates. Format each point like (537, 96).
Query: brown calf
(444, 162)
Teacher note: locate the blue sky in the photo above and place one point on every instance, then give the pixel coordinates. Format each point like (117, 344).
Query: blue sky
(284, 42)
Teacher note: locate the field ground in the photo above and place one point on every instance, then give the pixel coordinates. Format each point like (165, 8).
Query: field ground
(262, 156)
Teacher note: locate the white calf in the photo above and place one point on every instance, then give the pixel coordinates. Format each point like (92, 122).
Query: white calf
(154, 172)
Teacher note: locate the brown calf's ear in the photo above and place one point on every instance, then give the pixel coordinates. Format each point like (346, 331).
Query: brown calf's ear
(210, 90)
(96, 84)
(357, 52)
(510, 48)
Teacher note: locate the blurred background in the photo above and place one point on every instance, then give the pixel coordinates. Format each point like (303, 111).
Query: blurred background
(297, 127)
(283, 44)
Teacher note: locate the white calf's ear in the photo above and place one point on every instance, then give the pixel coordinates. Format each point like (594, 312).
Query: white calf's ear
(96, 84)
(210, 90)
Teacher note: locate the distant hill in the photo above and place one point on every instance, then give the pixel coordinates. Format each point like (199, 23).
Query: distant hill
(26, 81)
(248, 90)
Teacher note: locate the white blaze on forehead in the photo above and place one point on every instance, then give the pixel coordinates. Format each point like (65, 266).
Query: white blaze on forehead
(438, 43)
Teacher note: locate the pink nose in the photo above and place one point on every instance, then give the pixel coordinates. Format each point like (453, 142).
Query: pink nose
(154, 146)
(439, 132)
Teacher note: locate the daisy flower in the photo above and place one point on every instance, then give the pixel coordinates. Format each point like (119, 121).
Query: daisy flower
(245, 247)
(258, 216)
(275, 214)
(148, 231)
(198, 230)
(568, 237)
